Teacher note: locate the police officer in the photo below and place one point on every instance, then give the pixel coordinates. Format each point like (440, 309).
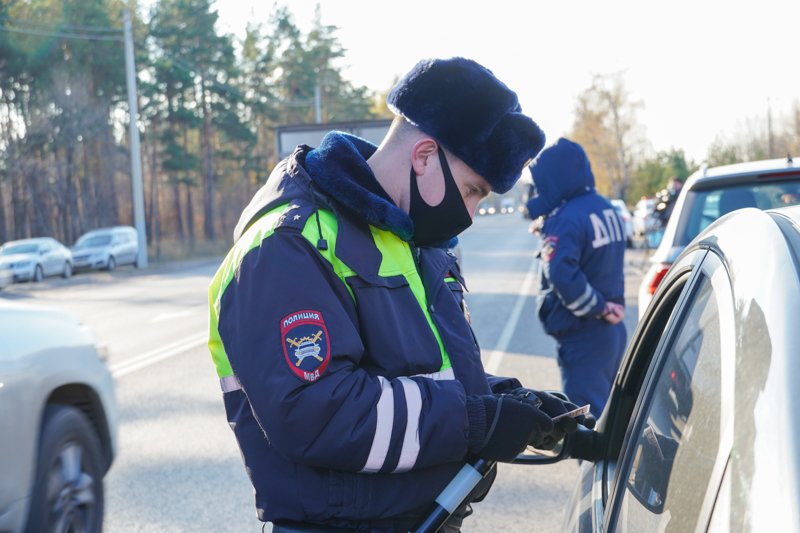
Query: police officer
(350, 376)
(583, 287)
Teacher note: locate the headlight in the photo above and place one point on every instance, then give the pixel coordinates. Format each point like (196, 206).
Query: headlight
(22, 264)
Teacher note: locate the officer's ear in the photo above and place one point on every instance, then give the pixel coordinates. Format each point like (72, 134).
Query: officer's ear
(423, 153)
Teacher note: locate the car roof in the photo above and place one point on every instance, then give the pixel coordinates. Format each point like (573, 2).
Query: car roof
(743, 173)
(110, 229)
(32, 240)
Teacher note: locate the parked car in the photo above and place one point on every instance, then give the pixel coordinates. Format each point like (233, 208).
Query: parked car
(106, 248)
(34, 259)
(710, 193)
(58, 422)
(6, 276)
(702, 428)
(626, 217)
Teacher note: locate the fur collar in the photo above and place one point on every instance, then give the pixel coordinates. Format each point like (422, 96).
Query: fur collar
(338, 168)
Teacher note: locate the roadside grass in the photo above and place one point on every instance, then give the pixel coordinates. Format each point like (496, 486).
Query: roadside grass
(171, 250)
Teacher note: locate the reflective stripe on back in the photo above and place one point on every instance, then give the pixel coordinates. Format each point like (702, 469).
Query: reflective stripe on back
(230, 383)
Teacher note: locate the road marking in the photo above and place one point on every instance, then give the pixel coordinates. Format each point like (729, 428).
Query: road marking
(123, 368)
(496, 357)
(177, 314)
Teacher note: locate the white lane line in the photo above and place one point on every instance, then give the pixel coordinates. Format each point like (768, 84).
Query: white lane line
(146, 359)
(496, 357)
(176, 314)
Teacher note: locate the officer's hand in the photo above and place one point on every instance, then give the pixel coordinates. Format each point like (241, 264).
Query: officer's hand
(613, 313)
(555, 404)
(502, 425)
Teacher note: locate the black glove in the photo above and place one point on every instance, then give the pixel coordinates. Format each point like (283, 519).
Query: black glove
(502, 425)
(554, 404)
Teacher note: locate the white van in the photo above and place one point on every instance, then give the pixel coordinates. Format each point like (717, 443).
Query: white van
(106, 248)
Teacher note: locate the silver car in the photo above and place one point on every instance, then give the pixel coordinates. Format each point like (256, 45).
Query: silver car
(106, 248)
(58, 422)
(6, 276)
(34, 259)
(702, 428)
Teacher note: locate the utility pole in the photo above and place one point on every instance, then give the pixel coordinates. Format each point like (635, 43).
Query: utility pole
(136, 155)
(317, 104)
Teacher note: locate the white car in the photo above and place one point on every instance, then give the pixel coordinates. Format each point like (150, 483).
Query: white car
(710, 193)
(644, 221)
(58, 422)
(106, 248)
(34, 259)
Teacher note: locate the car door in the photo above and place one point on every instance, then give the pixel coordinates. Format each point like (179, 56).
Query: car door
(132, 246)
(679, 438)
(47, 257)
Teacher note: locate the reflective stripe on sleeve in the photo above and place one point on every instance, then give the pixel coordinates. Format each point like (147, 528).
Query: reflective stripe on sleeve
(443, 375)
(586, 308)
(579, 302)
(410, 449)
(383, 428)
(230, 383)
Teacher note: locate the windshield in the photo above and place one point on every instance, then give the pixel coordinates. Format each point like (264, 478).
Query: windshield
(704, 207)
(91, 241)
(19, 249)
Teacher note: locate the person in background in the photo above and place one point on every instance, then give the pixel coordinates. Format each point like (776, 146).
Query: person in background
(350, 375)
(582, 288)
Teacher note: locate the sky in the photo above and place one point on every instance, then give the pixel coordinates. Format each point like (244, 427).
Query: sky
(701, 69)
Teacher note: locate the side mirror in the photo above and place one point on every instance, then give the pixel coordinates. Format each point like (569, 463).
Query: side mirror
(536, 456)
(584, 444)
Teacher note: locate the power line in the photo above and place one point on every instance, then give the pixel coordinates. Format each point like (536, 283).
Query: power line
(194, 70)
(58, 27)
(64, 35)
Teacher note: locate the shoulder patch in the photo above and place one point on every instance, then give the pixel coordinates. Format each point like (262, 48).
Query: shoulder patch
(306, 344)
(294, 216)
(549, 246)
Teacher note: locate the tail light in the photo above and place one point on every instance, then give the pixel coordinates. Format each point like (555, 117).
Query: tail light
(658, 275)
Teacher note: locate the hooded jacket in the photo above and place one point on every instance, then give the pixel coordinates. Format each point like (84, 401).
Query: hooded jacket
(583, 241)
(343, 353)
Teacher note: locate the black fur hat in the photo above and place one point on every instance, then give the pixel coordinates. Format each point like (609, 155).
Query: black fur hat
(471, 113)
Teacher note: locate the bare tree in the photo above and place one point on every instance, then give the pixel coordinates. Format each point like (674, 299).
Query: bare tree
(606, 126)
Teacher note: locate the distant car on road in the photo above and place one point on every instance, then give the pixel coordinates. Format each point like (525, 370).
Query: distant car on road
(58, 422)
(34, 259)
(701, 430)
(106, 248)
(507, 206)
(644, 221)
(627, 219)
(710, 193)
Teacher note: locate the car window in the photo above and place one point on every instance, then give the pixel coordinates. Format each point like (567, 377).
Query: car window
(90, 241)
(704, 207)
(18, 249)
(676, 442)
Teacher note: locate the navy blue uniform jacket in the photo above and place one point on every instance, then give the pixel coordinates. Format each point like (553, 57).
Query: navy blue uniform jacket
(583, 245)
(351, 410)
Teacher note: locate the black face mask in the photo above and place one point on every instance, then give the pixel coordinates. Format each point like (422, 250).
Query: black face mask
(438, 224)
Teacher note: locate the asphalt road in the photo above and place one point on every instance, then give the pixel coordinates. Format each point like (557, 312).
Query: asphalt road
(178, 467)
